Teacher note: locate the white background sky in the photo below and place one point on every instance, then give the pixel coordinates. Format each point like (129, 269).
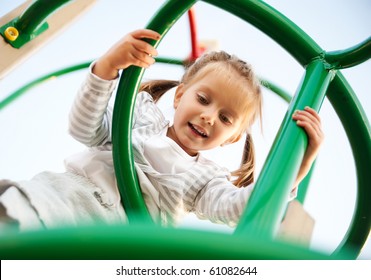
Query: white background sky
(34, 128)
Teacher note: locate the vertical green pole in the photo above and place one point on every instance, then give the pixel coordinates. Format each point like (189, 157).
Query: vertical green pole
(266, 206)
(123, 156)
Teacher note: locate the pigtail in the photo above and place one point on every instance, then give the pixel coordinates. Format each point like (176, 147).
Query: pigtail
(157, 88)
(245, 174)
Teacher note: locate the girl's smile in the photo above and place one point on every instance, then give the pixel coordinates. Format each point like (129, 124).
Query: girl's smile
(198, 131)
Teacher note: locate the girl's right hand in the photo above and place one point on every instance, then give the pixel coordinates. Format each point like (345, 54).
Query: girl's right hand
(130, 50)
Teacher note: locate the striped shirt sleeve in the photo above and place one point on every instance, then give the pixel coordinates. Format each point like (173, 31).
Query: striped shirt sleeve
(90, 117)
(222, 202)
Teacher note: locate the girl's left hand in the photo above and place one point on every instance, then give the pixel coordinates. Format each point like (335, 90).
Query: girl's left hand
(310, 121)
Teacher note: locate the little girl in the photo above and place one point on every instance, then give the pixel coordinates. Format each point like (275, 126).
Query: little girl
(216, 102)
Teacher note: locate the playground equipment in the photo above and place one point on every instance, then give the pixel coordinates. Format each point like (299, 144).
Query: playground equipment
(254, 236)
(29, 31)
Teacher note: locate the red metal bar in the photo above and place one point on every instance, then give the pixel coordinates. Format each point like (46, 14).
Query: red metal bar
(196, 52)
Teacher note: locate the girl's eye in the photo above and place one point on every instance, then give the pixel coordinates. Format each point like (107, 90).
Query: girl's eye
(202, 99)
(225, 119)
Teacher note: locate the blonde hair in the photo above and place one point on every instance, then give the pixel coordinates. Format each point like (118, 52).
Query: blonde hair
(244, 176)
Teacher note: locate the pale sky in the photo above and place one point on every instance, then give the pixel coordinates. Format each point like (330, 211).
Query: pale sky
(34, 128)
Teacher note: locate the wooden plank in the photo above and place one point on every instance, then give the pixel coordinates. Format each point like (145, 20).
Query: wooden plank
(11, 57)
(297, 226)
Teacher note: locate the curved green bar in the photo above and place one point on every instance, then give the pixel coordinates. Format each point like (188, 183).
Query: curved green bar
(174, 61)
(274, 24)
(169, 60)
(358, 130)
(350, 57)
(19, 92)
(36, 14)
(276, 89)
(122, 119)
(145, 242)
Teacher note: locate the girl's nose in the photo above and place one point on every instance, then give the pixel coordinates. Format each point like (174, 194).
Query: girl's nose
(209, 116)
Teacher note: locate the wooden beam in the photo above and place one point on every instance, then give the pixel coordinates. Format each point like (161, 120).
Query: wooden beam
(297, 226)
(11, 57)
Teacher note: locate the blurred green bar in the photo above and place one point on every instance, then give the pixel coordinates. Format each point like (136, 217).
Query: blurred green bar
(19, 92)
(123, 157)
(265, 208)
(146, 242)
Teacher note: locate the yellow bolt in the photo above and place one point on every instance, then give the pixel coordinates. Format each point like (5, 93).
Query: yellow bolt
(11, 33)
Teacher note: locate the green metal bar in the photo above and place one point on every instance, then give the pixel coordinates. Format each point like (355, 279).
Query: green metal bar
(169, 60)
(351, 56)
(274, 24)
(265, 209)
(32, 22)
(36, 14)
(173, 61)
(18, 93)
(144, 242)
(358, 130)
(122, 119)
(276, 89)
(304, 184)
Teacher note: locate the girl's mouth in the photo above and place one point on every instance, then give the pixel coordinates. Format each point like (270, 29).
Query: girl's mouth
(197, 130)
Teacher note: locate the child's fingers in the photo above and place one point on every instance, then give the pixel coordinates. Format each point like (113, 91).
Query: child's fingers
(310, 121)
(313, 131)
(144, 47)
(146, 33)
(141, 59)
(313, 113)
(307, 115)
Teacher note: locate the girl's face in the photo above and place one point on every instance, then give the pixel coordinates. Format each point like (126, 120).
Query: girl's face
(208, 112)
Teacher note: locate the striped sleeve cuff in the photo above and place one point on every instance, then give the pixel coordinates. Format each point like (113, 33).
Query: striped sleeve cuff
(98, 84)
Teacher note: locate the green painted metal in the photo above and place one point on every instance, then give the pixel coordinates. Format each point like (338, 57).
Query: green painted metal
(170, 60)
(76, 67)
(274, 24)
(145, 242)
(32, 22)
(358, 130)
(27, 87)
(304, 184)
(350, 57)
(123, 109)
(21, 91)
(265, 209)
(276, 89)
(23, 38)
